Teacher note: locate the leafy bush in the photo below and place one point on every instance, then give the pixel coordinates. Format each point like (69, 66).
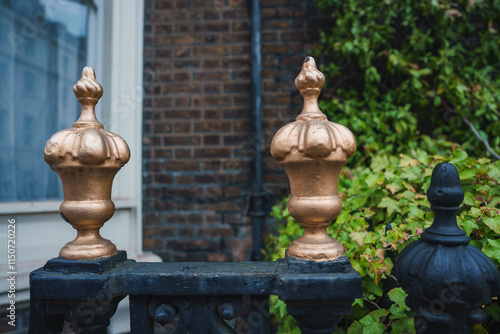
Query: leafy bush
(401, 69)
(414, 81)
(393, 190)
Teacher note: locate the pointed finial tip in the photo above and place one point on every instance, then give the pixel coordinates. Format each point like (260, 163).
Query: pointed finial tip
(87, 87)
(445, 189)
(88, 72)
(309, 79)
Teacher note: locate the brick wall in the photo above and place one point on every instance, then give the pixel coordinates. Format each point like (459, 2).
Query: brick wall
(196, 137)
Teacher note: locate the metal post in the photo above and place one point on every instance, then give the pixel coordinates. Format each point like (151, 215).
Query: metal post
(257, 205)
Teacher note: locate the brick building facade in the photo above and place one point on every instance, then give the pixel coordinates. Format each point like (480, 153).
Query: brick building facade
(197, 142)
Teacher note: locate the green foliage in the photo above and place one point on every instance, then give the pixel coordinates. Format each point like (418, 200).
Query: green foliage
(393, 190)
(403, 71)
(406, 76)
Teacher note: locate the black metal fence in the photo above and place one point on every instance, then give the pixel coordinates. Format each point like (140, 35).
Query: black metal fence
(447, 279)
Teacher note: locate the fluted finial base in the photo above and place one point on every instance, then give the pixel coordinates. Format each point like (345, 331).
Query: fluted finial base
(88, 245)
(316, 245)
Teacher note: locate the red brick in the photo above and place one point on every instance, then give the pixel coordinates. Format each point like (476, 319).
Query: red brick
(193, 244)
(163, 29)
(232, 191)
(201, 51)
(212, 165)
(148, 232)
(163, 179)
(182, 128)
(211, 140)
(206, 76)
(211, 114)
(212, 89)
(212, 218)
(149, 243)
(187, 218)
(241, 26)
(213, 192)
(182, 114)
(185, 179)
(212, 153)
(223, 206)
(165, 231)
(212, 231)
(152, 218)
(212, 127)
(162, 153)
(183, 153)
(185, 232)
(181, 140)
(212, 27)
(236, 88)
(212, 101)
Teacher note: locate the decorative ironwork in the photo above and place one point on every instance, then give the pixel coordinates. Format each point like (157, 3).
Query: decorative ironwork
(87, 158)
(313, 150)
(447, 279)
(82, 288)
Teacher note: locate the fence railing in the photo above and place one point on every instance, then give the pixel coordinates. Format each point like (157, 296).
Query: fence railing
(447, 279)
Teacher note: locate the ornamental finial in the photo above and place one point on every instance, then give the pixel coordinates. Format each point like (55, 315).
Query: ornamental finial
(447, 279)
(87, 158)
(313, 150)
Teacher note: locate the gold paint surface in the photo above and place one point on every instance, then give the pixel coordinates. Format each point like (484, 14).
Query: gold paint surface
(312, 151)
(87, 158)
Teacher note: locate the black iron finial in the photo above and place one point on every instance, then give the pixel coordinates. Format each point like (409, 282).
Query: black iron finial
(447, 279)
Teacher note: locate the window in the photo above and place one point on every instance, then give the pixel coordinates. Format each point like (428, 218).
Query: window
(44, 48)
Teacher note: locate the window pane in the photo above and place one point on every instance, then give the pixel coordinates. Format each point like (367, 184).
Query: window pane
(43, 48)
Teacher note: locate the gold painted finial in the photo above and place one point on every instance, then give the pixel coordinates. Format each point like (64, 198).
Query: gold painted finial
(87, 158)
(313, 150)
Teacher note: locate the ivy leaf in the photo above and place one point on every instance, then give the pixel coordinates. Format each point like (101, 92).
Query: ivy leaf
(493, 223)
(409, 187)
(358, 236)
(390, 204)
(372, 325)
(492, 249)
(410, 176)
(407, 161)
(469, 198)
(468, 173)
(377, 314)
(458, 155)
(355, 328)
(392, 188)
(374, 179)
(403, 326)
(398, 295)
(468, 225)
(372, 288)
